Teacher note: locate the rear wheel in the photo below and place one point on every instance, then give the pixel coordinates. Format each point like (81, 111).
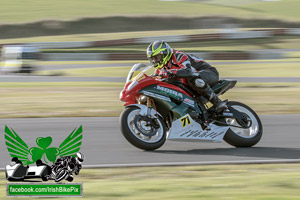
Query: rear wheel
(60, 174)
(243, 137)
(141, 131)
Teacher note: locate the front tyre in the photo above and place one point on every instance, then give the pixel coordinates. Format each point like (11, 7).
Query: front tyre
(142, 132)
(243, 137)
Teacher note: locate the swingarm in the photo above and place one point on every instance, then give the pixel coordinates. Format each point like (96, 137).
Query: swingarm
(243, 120)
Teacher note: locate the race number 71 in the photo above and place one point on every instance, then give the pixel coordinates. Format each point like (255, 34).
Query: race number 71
(185, 121)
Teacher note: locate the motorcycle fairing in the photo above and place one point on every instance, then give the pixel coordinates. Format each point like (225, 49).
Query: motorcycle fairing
(223, 86)
(132, 88)
(167, 98)
(35, 170)
(155, 96)
(186, 129)
(18, 172)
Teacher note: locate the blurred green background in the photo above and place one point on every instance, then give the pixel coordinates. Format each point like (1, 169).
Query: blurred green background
(18, 11)
(97, 20)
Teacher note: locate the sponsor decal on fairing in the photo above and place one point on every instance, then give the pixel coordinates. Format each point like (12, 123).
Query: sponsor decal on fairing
(169, 91)
(151, 94)
(185, 128)
(189, 102)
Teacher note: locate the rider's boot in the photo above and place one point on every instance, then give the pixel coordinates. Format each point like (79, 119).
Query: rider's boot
(218, 104)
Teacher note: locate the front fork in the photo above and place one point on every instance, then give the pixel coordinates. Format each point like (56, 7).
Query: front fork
(149, 106)
(151, 121)
(148, 113)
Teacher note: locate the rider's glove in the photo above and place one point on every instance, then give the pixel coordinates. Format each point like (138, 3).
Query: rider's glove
(171, 74)
(163, 75)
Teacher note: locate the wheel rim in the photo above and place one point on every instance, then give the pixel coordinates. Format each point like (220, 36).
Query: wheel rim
(244, 132)
(143, 126)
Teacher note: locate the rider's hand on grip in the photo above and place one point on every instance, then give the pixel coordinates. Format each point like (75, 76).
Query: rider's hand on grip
(171, 73)
(156, 76)
(164, 75)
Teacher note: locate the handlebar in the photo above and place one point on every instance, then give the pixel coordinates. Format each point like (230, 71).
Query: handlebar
(158, 77)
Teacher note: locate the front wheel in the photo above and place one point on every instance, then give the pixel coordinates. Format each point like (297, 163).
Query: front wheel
(243, 137)
(141, 131)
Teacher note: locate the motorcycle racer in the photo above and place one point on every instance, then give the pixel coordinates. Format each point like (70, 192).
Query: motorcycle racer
(190, 70)
(65, 166)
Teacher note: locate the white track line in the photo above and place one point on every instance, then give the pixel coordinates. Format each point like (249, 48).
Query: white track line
(239, 162)
(194, 163)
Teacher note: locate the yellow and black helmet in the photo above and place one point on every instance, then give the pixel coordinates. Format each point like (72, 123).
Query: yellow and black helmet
(159, 53)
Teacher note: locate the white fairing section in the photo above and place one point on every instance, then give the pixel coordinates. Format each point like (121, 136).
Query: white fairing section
(36, 169)
(186, 129)
(10, 169)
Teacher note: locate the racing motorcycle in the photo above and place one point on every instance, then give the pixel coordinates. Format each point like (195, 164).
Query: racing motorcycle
(65, 166)
(157, 109)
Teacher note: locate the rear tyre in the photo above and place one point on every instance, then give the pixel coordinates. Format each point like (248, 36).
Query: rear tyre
(60, 175)
(140, 132)
(243, 137)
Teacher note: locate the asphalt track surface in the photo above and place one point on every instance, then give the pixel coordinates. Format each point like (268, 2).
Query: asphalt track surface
(104, 146)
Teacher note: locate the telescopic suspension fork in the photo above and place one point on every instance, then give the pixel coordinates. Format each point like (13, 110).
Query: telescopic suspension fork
(153, 121)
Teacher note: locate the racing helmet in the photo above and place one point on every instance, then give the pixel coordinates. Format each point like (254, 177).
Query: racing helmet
(79, 157)
(159, 53)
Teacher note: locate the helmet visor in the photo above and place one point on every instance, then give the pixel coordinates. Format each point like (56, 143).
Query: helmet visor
(157, 59)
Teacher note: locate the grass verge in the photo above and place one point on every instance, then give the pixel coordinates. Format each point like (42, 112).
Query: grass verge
(226, 70)
(263, 182)
(60, 99)
(98, 99)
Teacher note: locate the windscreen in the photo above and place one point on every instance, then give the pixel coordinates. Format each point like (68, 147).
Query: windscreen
(137, 69)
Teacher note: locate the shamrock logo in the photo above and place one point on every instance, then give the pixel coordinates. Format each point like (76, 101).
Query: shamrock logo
(18, 148)
(50, 153)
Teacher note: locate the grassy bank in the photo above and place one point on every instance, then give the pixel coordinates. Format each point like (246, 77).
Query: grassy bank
(73, 9)
(262, 182)
(60, 99)
(67, 17)
(79, 99)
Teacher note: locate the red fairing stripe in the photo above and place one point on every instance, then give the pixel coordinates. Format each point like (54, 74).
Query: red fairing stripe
(130, 96)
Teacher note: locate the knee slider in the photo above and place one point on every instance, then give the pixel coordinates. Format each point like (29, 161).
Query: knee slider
(199, 83)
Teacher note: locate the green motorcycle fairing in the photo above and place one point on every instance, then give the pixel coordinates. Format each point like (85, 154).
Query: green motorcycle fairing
(168, 100)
